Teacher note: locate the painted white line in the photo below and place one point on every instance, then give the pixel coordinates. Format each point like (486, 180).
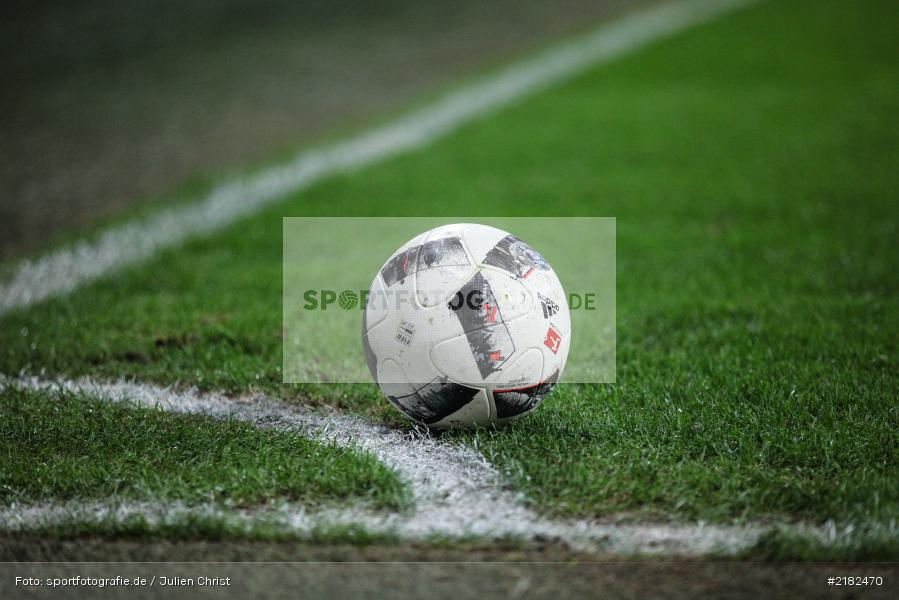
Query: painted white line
(456, 492)
(607, 540)
(63, 270)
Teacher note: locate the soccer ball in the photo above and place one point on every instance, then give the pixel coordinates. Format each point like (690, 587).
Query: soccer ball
(466, 325)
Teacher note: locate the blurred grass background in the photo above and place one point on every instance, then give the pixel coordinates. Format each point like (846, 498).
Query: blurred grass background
(108, 105)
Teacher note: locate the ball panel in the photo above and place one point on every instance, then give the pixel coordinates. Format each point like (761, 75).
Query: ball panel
(513, 297)
(392, 380)
(480, 239)
(429, 254)
(514, 402)
(453, 359)
(436, 287)
(371, 359)
(526, 368)
(404, 339)
(376, 309)
(435, 401)
(482, 321)
(515, 256)
(476, 412)
(374, 315)
(446, 251)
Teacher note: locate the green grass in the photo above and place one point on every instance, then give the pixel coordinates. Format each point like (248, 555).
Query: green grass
(751, 166)
(860, 543)
(209, 528)
(59, 446)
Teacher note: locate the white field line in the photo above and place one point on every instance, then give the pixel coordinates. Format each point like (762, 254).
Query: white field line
(456, 492)
(63, 270)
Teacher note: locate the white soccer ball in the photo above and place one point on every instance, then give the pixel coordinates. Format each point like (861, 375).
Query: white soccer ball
(466, 325)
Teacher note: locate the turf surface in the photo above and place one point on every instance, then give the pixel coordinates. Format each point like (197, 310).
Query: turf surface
(57, 446)
(751, 168)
